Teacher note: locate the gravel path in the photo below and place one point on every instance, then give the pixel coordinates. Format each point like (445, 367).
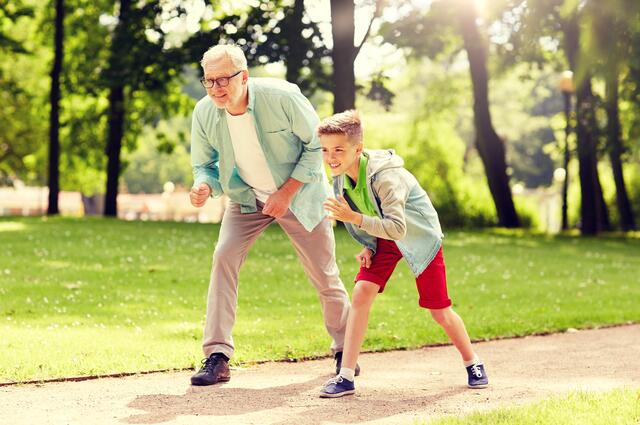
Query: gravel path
(395, 387)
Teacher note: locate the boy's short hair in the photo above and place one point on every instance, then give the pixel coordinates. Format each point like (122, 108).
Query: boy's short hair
(347, 123)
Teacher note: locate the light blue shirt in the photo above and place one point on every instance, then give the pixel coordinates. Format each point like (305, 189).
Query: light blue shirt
(286, 128)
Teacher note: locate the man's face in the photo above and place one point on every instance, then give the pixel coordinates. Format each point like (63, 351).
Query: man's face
(340, 153)
(234, 94)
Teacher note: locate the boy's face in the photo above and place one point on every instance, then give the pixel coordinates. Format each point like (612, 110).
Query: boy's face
(340, 153)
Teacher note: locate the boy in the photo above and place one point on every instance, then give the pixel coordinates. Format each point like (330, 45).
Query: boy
(384, 208)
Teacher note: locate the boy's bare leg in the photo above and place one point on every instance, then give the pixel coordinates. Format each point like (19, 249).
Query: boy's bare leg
(454, 327)
(362, 299)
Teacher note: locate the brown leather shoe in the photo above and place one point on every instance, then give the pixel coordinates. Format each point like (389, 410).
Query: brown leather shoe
(214, 369)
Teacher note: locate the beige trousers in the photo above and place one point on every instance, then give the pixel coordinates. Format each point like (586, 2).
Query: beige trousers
(316, 252)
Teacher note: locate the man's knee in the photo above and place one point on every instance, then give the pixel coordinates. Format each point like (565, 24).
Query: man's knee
(226, 254)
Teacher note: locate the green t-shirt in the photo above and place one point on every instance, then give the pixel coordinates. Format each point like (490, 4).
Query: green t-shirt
(359, 195)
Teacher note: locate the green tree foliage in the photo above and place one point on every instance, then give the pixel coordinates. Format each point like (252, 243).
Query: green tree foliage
(297, 42)
(426, 127)
(20, 126)
(612, 35)
(146, 67)
(10, 13)
(435, 30)
(159, 159)
(149, 62)
(595, 40)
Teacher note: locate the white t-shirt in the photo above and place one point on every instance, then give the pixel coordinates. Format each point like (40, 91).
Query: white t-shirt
(250, 160)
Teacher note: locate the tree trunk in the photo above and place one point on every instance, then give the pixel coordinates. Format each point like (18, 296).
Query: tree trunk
(567, 157)
(296, 52)
(54, 114)
(489, 144)
(343, 54)
(593, 212)
(114, 146)
(603, 210)
(593, 209)
(594, 216)
(116, 112)
(615, 149)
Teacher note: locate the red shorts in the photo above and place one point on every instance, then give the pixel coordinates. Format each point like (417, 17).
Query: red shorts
(432, 282)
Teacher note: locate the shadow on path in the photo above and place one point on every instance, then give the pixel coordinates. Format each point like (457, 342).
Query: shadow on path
(301, 398)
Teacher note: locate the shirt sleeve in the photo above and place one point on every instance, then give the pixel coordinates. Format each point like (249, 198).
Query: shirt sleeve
(304, 121)
(393, 194)
(204, 158)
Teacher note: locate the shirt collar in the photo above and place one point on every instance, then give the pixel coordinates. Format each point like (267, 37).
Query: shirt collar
(250, 104)
(252, 97)
(362, 176)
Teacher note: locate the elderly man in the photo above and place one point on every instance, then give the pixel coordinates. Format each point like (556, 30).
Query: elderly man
(254, 140)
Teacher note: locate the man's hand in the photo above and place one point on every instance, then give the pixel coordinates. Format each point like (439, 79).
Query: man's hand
(199, 195)
(277, 203)
(340, 210)
(364, 258)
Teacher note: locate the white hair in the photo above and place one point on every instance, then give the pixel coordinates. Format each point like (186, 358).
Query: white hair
(234, 53)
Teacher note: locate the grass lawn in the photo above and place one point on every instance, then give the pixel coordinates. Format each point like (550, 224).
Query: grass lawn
(619, 407)
(98, 296)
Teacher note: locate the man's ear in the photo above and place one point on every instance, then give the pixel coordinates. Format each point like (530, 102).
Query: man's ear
(360, 147)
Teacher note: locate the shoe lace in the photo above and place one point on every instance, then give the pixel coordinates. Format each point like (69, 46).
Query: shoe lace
(335, 380)
(475, 369)
(210, 363)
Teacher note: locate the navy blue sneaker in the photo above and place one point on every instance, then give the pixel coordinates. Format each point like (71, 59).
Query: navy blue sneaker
(477, 376)
(337, 387)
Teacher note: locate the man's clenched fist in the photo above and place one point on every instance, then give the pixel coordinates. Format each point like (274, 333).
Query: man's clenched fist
(199, 195)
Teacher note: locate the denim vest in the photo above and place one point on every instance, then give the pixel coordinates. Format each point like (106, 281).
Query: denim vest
(423, 236)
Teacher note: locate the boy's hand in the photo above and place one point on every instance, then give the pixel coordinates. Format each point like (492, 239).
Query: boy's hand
(364, 258)
(340, 210)
(199, 195)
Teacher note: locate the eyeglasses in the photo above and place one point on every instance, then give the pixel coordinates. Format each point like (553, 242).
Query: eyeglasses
(221, 82)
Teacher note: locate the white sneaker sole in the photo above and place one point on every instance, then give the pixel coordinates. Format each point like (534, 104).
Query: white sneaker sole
(477, 386)
(326, 395)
